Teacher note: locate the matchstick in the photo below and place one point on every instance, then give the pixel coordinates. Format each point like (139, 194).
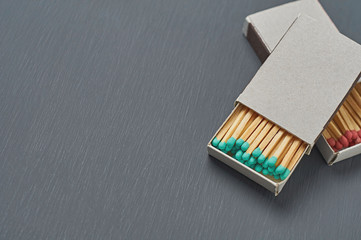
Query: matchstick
(253, 145)
(239, 130)
(330, 140)
(258, 151)
(349, 121)
(222, 144)
(281, 168)
(343, 126)
(250, 135)
(250, 129)
(355, 118)
(333, 128)
(356, 96)
(293, 161)
(271, 146)
(354, 106)
(272, 160)
(358, 87)
(271, 169)
(253, 136)
(226, 127)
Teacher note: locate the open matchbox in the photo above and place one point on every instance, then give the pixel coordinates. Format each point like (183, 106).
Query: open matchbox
(266, 28)
(299, 87)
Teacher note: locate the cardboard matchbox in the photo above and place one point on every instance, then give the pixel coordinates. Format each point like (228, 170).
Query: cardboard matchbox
(266, 28)
(300, 87)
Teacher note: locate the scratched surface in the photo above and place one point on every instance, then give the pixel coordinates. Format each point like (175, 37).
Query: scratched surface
(106, 108)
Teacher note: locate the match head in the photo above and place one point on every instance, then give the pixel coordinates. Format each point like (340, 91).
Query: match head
(265, 163)
(265, 172)
(234, 150)
(272, 161)
(334, 149)
(280, 170)
(331, 142)
(246, 156)
(348, 135)
(257, 152)
(357, 141)
(261, 159)
(252, 166)
(222, 145)
(343, 140)
(247, 163)
(238, 155)
(252, 161)
(354, 134)
(215, 142)
(258, 168)
(245, 146)
(224, 150)
(271, 169)
(359, 133)
(239, 143)
(230, 143)
(276, 176)
(285, 174)
(338, 146)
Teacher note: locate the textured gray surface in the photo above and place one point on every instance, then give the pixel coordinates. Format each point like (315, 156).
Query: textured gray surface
(105, 111)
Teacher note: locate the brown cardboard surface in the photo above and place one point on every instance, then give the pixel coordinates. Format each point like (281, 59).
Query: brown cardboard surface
(305, 79)
(270, 25)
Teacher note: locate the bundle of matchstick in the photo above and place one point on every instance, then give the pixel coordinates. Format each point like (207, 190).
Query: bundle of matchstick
(259, 144)
(344, 130)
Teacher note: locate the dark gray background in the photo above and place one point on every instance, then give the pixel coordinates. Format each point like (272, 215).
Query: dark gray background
(106, 108)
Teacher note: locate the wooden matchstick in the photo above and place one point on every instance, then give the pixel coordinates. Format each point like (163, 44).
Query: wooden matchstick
(254, 144)
(258, 151)
(354, 106)
(355, 118)
(349, 121)
(226, 126)
(343, 126)
(271, 146)
(272, 160)
(333, 128)
(239, 130)
(293, 161)
(358, 87)
(254, 135)
(330, 140)
(249, 130)
(222, 144)
(279, 160)
(356, 96)
(281, 168)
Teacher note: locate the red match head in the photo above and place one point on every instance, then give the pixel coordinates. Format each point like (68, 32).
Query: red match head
(338, 146)
(331, 142)
(348, 135)
(354, 134)
(343, 140)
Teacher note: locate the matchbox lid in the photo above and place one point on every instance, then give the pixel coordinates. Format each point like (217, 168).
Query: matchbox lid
(271, 24)
(306, 78)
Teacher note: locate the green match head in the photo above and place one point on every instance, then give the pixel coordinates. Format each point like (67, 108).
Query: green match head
(233, 150)
(231, 142)
(252, 160)
(222, 145)
(261, 159)
(247, 163)
(280, 169)
(271, 169)
(265, 163)
(276, 176)
(252, 166)
(239, 143)
(272, 161)
(225, 151)
(265, 172)
(238, 155)
(215, 142)
(285, 174)
(246, 156)
(245, 146)
(257, 152)
(258, 168)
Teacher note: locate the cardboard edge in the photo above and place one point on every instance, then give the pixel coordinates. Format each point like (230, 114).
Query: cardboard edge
(246, 171)
(326, 151)
(255, 40)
